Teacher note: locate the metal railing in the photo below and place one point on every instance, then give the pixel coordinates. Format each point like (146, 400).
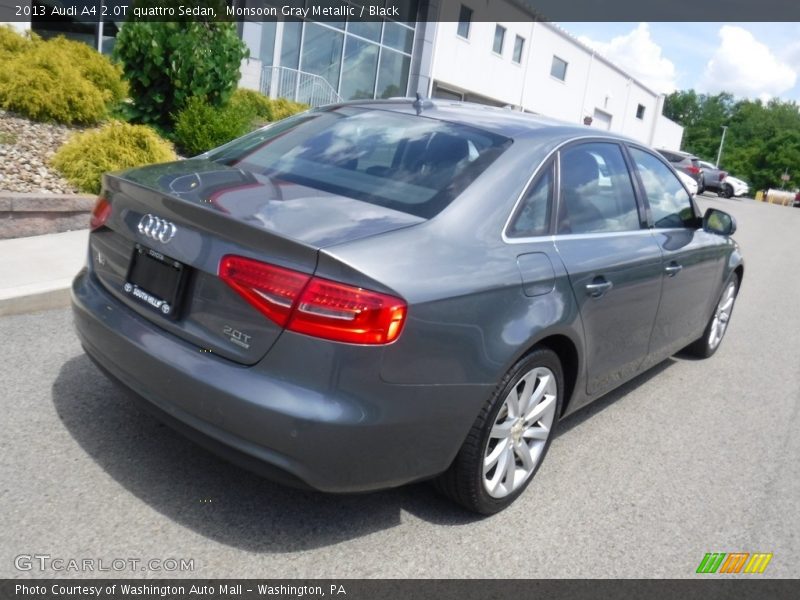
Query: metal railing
(308, 88)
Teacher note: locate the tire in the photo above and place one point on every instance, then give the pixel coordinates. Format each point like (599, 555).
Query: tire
(498, 436)
(710, 341)
(701, 187)
(727, 191)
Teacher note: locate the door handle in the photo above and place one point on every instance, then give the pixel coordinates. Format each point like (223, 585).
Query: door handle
(598, 287)
(673, 269)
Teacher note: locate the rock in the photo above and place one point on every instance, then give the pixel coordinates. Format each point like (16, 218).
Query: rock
(25, 163)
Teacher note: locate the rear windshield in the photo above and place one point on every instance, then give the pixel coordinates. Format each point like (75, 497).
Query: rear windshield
(414, 164)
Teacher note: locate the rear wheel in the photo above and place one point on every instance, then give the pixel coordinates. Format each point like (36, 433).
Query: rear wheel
(718, 323)
(727, 191)
(510, 437)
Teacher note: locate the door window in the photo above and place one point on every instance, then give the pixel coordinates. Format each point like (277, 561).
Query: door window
(670, 204)
(533, 215)
(596, 191)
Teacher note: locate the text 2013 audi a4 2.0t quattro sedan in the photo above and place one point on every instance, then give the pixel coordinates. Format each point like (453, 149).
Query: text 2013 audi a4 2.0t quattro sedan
(370, 294)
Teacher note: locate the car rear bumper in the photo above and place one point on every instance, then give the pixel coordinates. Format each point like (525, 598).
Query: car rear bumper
(329, 423)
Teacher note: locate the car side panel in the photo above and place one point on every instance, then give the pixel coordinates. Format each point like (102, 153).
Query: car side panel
(617, 325)
(688, 296)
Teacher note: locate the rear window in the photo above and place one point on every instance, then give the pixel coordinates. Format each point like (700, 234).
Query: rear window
(414, 164)
(675, 158)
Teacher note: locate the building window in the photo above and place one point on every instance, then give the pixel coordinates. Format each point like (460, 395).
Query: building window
(499, 39)
(322, 52)
(392, 74)
(519, 45)
(640, 111)
(445, 94)
(464, 21)
(559, 68)
(363, 60)
(358, 69)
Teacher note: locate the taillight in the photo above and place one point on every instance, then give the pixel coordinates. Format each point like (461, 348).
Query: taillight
(693, 170)
(270, 289)
(722, 175)
(344, 313)
(315, 306)
(100, 213)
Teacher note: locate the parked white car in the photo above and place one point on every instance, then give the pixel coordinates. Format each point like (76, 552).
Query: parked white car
(690, 183)
(732, 186)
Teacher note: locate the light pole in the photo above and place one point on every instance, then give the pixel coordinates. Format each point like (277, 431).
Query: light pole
(721, 143)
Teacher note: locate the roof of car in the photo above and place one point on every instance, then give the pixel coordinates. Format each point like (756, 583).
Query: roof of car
(503, 121)
(677, 153)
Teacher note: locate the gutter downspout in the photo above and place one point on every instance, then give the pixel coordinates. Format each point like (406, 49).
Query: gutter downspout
(659, 112)
(527, 67)
(583, 108)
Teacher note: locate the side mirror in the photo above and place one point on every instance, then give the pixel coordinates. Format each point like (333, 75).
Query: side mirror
(719, 222)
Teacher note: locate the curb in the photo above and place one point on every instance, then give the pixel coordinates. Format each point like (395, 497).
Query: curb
(36, 272)
(55, 294)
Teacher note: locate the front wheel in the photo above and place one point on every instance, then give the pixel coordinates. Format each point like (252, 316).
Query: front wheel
(509, 438)
(727, 191)
(708, 344)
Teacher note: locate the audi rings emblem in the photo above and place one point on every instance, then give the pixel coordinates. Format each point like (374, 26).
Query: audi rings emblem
(157, 228)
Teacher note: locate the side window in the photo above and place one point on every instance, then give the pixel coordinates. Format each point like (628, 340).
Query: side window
(670, 203)
(533, 214)
(596, 191)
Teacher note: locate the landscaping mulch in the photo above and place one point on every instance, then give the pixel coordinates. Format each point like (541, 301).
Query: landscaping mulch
(25, 151)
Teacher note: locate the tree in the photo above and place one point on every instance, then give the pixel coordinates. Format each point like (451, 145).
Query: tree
(763, 140)
(168, 63)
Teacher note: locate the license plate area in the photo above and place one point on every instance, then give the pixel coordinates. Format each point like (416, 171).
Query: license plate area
(156, 281)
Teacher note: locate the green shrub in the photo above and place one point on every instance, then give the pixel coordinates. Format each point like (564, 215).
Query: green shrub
(98, 69)
(282, 108)
(264, 109)
(58, 80)
(252, 103)
(11, 41)
(45, 86)
(168, 63)
(200, 126)
(116, 145)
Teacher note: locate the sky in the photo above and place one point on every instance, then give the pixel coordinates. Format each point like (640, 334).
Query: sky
(750, 60)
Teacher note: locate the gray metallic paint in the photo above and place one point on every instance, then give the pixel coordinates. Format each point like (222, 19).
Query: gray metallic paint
(342, 417)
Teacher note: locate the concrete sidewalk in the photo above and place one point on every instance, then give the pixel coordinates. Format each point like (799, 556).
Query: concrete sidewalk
(36, 272)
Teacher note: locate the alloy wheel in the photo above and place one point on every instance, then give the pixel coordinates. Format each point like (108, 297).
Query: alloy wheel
(722, 315)
(520, 432)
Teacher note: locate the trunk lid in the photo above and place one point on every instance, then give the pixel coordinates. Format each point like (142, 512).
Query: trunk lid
(217, 210)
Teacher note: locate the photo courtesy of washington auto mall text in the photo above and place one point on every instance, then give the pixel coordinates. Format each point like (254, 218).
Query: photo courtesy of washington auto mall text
(156, 589)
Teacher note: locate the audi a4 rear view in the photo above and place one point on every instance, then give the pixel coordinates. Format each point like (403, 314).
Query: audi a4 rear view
(371, 294)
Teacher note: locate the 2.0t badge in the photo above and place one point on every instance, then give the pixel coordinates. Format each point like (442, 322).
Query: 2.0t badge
(157, 228)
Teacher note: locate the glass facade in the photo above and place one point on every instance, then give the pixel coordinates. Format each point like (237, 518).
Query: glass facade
(359, 60)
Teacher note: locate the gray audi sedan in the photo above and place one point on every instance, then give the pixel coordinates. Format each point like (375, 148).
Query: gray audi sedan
(375, 293)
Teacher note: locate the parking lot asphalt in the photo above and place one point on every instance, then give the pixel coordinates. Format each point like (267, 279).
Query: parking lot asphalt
(689, 458)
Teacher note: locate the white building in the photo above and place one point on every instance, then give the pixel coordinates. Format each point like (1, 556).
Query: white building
(538, 67)
(458, 50)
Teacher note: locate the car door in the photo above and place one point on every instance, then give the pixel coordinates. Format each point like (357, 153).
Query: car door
(613, 261)
(693, 260)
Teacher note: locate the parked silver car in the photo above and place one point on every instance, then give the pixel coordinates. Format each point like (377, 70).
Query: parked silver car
(713, 177)
(375, 293)
(688, 164)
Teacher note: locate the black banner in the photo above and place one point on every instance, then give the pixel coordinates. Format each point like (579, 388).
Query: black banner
(91, 11)
(710, 588)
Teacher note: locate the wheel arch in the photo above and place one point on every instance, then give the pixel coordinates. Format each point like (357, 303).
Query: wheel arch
(567, 351)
